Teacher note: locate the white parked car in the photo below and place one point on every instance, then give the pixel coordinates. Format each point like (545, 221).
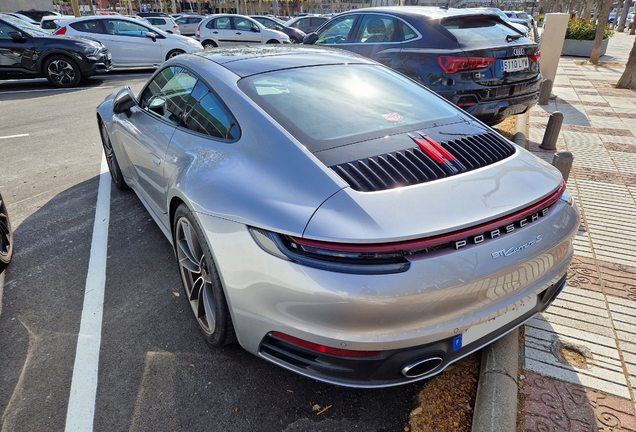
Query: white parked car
(228, 30)
(131, 42)
(166, 24)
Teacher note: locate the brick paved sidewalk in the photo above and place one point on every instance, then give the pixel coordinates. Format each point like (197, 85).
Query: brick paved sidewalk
(593, 323)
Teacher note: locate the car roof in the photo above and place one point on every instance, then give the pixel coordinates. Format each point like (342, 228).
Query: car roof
(429, 12)
(255, 59)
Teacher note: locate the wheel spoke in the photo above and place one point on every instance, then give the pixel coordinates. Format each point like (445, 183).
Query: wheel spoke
(193, 243)
(197, 287)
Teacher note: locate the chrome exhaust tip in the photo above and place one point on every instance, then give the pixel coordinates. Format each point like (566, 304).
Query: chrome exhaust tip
(421, 367)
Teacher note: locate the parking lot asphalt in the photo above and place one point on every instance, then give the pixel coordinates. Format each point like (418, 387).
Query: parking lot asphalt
(155, 372)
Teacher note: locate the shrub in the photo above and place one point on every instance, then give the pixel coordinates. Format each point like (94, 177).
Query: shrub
(580, 29)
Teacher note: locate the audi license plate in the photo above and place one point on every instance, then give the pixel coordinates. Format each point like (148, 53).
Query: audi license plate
(514, 65)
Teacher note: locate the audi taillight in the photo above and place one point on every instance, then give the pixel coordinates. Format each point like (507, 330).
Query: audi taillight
(535, 57)
(458, 64)
(61, 31)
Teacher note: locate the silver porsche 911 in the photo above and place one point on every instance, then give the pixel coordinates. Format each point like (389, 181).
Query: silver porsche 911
(335, 217)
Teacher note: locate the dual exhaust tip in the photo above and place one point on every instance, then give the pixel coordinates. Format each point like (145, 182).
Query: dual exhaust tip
(422, 366)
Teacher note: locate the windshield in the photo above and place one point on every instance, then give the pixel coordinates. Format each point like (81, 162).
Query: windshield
(27, 28)
(329, 106)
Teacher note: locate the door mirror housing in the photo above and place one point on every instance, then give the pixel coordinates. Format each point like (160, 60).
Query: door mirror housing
(124, 101)
(310, 39)
(17, 37)
(255, 29)
(152, 35)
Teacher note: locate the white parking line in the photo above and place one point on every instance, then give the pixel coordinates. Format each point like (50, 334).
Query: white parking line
(81, 404)
(14, 136)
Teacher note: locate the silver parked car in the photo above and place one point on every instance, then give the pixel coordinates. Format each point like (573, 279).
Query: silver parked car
(368, 239)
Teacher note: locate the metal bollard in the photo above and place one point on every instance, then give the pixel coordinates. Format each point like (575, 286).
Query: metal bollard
(552, 131)
(545, 92)
(563, 162)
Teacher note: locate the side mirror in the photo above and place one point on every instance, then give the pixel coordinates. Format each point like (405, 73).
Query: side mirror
(152, 35)
(255, 29)
(124, 101)
(158, 105)
(310, 39)
(17, 37)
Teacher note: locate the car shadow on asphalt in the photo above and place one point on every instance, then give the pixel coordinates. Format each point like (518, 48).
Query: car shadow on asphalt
(155, 370)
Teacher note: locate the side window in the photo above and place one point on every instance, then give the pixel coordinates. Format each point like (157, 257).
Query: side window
(317, 22)
(242, 24)
(90, 26)
(193, 20)
(168, 95)
(267, 24)
(220, 23)
(210, 117)
(182, 20)
(407, 32)
(336, 31)
(5, 30)
(376, 29)
(125, 28)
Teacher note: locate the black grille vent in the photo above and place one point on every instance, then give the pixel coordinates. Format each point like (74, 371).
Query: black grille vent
(413, 166)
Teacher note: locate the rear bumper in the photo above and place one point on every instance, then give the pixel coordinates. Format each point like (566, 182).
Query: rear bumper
(495, 111)
(389, 368)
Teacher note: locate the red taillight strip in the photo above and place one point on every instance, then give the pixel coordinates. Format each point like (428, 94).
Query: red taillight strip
(324, 349)
(438, 240)
(535, 57)
(434, 150)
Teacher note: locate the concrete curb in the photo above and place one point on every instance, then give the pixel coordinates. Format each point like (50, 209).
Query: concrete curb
(521, 126)
(496, 401)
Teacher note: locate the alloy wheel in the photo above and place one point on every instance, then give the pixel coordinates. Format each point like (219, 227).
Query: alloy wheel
(108, 149)
(196, 276)
(5, 232)
(61, 72)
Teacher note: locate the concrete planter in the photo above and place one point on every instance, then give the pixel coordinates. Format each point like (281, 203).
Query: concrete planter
(579, 48)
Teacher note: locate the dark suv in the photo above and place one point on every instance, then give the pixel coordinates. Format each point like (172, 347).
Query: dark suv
(473, 59)
(27, 51)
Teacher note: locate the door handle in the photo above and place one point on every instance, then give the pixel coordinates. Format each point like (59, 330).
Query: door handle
(156, 160)
(215, 32)
(238, 33)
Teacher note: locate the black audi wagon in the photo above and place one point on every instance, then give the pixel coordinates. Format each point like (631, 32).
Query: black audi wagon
(472, 58)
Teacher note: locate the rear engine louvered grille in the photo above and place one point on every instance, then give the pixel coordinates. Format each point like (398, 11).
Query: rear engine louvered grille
(413, 166)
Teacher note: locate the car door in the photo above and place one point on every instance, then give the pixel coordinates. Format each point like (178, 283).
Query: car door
(221, 30)
(16, 58)
(377, 36)
(244, 33)
(162, 107)
(129, 45)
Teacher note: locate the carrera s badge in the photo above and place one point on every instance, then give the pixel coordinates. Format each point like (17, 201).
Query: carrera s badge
(513, 250)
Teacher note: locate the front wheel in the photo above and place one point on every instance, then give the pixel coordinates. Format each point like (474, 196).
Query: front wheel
(293, 40)
(113, 165)
(174, 53)
(201, 280)
(61, 71)
(272, 41)
(6, 236)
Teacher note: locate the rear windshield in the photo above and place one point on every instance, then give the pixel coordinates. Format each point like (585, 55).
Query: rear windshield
(329, 106)
(476, 29)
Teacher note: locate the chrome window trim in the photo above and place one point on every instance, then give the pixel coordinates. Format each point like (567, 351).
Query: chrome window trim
(419, 35)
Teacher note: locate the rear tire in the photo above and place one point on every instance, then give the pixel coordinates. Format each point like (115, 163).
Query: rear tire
(62, 72)
(200, 279)
(209, 44)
